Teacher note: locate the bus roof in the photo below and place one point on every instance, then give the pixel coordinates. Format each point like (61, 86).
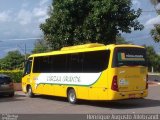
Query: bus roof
(84, 48)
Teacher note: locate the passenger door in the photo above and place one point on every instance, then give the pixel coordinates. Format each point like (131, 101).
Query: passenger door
(27, 74)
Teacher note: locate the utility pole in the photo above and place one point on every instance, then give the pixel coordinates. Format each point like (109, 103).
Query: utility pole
(25, 51)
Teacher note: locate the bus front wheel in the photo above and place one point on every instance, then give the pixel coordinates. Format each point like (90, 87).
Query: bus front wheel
(71, 95)
(29, 92)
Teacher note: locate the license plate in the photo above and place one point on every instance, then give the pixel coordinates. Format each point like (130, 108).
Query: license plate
(132, 95)
(4, 86)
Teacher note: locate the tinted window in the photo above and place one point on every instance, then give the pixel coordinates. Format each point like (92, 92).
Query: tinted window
(95, 61)
(47, 64)
(4, 79)
(75, 62)
(41, 64)
(129, 57)
(58, 63)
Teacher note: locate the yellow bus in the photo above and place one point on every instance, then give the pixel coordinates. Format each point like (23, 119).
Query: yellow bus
(89, 72)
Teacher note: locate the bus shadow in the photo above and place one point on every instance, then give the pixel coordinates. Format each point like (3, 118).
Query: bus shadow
(123, 104)
(55, 98)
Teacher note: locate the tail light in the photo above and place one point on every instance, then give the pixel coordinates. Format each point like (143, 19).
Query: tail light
(114, 83)
(146, 81)
(11, 85)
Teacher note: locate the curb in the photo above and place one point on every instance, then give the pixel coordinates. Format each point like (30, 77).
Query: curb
(153, 83)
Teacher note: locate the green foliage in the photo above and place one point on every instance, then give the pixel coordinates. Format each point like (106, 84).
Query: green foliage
(121, 40)
(15, 75)
(40, 46)
(13, 60)
(155, 33)
(74, 22)
(154, 2)
(153, 59)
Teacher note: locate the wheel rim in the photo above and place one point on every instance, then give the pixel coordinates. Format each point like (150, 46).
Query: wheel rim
(29, 91)
(72, 97)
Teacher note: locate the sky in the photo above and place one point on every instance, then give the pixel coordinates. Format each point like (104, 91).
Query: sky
(148, 18)
(20, 20)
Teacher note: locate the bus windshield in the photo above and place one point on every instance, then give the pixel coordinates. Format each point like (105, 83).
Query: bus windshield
(28, 65)
(129, 57)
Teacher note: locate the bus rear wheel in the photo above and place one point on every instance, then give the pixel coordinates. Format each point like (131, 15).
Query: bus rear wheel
(29, 92)
(71, 95)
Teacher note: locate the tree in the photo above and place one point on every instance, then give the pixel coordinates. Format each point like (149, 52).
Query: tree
(154, 2)
(40, 46)
(121, 40)
(155, 33)
(13, 60)
(153, 59)
(74, 22)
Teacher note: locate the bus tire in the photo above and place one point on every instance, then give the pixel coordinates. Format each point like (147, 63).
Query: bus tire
(71, 95)
(29, 92)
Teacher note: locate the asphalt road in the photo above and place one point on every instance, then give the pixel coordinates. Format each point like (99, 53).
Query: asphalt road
(21, 104)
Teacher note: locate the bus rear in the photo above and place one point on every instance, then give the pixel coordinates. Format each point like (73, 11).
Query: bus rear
(129, 73)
